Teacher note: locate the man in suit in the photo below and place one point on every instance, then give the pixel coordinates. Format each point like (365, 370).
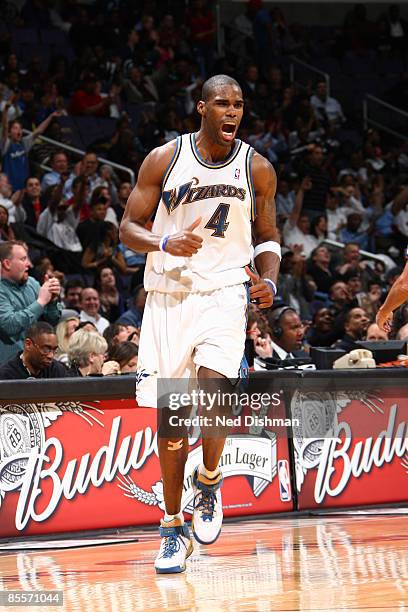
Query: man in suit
(287, 332)
(286, 337)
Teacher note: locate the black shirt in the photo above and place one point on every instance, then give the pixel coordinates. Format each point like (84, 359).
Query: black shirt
(15, 370)
(347, 343)
(88, 232)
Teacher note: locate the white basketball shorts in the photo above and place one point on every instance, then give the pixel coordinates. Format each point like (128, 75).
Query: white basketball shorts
(183, 331)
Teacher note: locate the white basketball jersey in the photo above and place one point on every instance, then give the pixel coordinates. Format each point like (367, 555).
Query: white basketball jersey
(222, 194)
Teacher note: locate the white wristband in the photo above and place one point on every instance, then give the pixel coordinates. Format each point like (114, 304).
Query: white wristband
(271, 246)
(272, 284)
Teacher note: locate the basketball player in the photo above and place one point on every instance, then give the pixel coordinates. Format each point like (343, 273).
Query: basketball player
(397, 295)
(209, 186)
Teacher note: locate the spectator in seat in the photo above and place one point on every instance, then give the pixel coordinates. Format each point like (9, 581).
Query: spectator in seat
(115, 334)
(124, 192)
(60, 171)
(296, 231)
(285, 198)
(249, 82)
(402, 333)
(319, 269)
(43, 266)
(371, 299)
(31, 200)
(37, 358)
(112, 303)
(134, 315)
(64, 331)
(6, 232)
(15, 211)
(336, 218)
(102, 194)
(15, 148)
(140, 88)
(125, 354)
(88, 231)
(327, 109)
(295, 286)
(72, 294)
(314, 168)
(353, 231)
(59, 221)
(103, 251)
(22, 300)
(90, 305)
(355, 327)
(88, 167)
(376, 334)
(86, 352)
(88, 101)
(352, 262)
(286, 332)
(321, 331)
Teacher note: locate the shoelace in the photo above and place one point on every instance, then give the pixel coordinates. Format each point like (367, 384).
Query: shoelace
(171, 546)
(207, 505)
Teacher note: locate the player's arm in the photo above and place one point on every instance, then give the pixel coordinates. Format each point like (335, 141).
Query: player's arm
(397, 295)
(266, 234)
(141, 205)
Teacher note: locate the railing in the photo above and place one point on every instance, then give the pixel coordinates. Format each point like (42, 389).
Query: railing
(81, 153)
(385, 117)
(301, 70)
(385, 259)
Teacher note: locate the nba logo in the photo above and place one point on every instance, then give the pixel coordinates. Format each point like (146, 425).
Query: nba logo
(237, 173)
(284, 480)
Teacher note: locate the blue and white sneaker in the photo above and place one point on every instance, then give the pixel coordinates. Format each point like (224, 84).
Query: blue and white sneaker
(175, 547)
(207, 514)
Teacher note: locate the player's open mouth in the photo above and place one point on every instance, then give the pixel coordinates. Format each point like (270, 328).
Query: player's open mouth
(228, 131)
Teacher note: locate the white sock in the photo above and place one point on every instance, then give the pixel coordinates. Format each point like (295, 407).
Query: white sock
(208, 473)
(170, 517)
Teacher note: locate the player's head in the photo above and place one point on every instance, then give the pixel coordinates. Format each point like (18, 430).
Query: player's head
(221, 108)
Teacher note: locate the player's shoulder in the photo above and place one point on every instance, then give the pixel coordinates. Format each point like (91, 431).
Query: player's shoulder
(159, 158)
(262, 168)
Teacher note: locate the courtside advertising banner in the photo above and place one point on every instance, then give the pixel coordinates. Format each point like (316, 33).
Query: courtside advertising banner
(72, 465)
(352, 447)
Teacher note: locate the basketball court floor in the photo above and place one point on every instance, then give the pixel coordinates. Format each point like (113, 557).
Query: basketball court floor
(338, 562)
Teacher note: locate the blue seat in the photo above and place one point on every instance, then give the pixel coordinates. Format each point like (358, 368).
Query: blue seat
(26, 52)
(64, 50)
(54, 36)
(328, 64)
(24, 36)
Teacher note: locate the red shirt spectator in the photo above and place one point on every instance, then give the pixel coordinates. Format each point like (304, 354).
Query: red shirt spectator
(87, 100)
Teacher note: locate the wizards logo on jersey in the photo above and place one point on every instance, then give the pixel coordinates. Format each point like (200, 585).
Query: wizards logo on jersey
(185, 194)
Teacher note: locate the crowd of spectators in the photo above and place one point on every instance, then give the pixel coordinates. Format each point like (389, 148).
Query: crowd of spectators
(142, 65)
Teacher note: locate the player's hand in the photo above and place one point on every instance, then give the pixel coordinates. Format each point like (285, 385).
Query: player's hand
(384, 320)
(260, 290)
(185, 243)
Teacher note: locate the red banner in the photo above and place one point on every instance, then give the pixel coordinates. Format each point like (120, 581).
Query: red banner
(70, 466)
(363, 458)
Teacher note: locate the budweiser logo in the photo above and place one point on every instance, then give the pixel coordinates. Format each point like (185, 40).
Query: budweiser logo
(340, 459)
(79, 474)
(38, 473)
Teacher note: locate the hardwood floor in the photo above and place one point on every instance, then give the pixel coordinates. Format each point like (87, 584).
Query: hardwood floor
(357, 563)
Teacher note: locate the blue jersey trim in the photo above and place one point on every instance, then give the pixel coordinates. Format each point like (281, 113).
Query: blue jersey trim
(172, 162)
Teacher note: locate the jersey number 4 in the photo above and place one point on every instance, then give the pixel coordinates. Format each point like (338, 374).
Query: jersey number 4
(218, 221)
